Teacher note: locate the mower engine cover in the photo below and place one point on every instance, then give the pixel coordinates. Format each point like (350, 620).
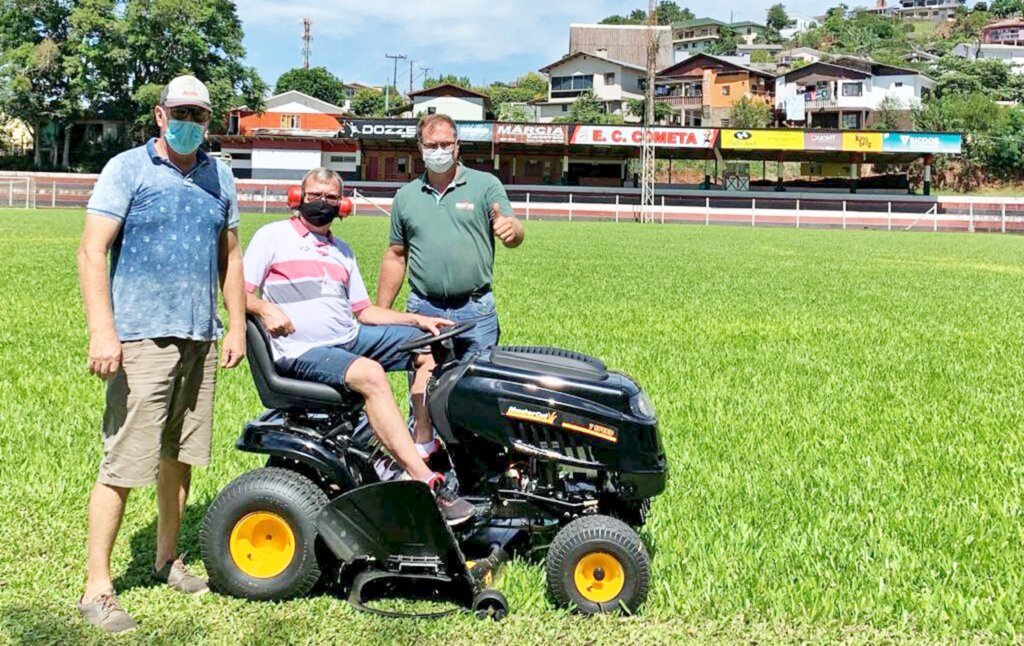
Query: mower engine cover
(295, 197)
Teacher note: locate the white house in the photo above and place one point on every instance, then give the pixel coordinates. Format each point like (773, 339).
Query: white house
(613, 83)
(457, 102)
(806, 54)
(846, 93)
(800, 23)
(1012, 55)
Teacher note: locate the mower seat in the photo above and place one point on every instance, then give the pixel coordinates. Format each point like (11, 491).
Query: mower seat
(285, 393)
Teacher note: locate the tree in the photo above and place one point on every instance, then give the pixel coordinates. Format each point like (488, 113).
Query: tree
(776, 20)
(760, 56)
(461, 81)
(962, 76)
(890, 114)
(513, 113)
(368, 102)
(534, 84)
(636, 17)
(587, 109)
(34, 60)
(317, 82)
(748, 113)
(662, 110)
(1006, 8)
(665, 13)
(726, 43)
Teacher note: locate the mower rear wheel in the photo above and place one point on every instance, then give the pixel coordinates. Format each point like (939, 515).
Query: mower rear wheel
(259, 535)
(598, 564)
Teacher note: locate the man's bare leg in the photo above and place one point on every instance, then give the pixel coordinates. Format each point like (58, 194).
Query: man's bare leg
(172, 485)
(423, 430)
(106, 509)
(368, 378)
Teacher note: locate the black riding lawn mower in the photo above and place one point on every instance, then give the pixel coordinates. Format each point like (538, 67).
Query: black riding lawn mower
(559, 455)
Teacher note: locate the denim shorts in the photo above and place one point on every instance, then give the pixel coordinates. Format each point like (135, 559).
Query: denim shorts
(480, 309)
(328, 364)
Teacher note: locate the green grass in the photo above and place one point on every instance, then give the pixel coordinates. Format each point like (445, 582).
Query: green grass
(842, 413)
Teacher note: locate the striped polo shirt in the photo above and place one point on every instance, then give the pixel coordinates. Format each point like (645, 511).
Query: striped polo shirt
(314, 279)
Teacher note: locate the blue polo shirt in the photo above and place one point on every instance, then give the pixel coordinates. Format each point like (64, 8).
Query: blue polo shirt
(164, 269)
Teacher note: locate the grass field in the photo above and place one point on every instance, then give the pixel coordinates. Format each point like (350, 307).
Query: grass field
(842, 413)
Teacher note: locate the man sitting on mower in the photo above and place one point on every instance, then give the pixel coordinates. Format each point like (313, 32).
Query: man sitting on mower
(314, 304)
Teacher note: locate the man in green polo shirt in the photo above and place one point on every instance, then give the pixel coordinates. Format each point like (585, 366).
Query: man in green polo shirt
(443, 227)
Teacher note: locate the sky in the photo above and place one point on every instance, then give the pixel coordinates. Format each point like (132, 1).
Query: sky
(486, 40)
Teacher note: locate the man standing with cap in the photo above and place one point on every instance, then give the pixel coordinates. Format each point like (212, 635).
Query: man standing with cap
(443, 226)
(168, 216)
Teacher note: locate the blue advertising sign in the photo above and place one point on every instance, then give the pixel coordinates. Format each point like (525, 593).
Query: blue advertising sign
(475, 131)
(947, 143)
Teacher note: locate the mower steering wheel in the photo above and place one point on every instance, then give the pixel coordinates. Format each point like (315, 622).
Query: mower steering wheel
(430, 339)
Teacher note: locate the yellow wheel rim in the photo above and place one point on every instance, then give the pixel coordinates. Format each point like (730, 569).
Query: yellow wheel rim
(599, 577)
(262, 545)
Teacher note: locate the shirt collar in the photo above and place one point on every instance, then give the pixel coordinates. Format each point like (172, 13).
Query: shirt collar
(460, 179)
(300, 228)
(154, 156)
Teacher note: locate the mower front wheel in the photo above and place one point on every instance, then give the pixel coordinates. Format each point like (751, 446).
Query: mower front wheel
(598, 564)
(259, 535)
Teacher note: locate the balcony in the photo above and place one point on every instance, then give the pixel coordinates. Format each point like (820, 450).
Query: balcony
(821, 104)
(677, 101)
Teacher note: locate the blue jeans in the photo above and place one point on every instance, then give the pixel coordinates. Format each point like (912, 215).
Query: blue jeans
(328, 364)
(480, 309)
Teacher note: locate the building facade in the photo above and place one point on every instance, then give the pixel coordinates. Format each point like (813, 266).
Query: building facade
(703, 88)
(846, 93)
(457, 102)
(1012, 55)
(613, 83)
(1004, 32)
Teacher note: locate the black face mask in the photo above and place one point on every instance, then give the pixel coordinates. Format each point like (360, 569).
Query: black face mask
(318, 213)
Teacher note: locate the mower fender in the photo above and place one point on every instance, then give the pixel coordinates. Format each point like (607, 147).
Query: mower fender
(272, 439)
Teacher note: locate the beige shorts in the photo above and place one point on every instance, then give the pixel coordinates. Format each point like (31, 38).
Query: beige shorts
(159, 405)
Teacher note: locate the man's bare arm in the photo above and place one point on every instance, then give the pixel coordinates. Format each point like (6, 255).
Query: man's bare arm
(275, 320)
(392, 273)
(232, 285)
(104, 346)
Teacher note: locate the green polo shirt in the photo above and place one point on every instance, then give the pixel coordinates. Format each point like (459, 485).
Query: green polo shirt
(448, 237)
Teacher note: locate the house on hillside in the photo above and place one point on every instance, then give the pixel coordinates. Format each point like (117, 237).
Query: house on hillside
(921, 10)
(457, 102)
(691, 37)
(703, 88)
(747, 31)
(294, 133)
(846, 92)
(1012, 55)
(1004, 32)
(613, 83)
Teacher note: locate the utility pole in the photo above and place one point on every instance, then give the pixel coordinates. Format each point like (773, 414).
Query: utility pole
(394, 77)
(426, 74)
(307, 37)
(647, 166)
(411, 62)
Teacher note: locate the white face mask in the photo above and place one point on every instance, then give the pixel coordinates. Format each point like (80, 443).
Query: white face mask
(438, 160)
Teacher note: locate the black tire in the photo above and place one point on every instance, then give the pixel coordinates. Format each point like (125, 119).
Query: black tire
(490, 604)
(289, 496)
(592, 535)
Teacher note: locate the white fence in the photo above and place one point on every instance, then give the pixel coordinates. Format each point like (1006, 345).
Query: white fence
(751, 208)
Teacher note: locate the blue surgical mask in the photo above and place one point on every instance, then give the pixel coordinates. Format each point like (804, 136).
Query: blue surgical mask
(184, 137)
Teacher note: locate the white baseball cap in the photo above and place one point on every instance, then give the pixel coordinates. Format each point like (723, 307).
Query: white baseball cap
(185, 90)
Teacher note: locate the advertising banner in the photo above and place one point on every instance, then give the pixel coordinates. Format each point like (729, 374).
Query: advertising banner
(823, 140)
(762, 139)
(530, 133)
(475, 130)
(948, 143)
(634, 136)
(379, 129)
(862, 142)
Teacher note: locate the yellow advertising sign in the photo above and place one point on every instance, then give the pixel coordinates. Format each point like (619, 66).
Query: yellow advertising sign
(862, 142)
(763, 139)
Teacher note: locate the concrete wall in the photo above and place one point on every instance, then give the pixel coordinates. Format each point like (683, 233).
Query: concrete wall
(456, 107)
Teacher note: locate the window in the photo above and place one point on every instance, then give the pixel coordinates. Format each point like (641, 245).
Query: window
(431, 110)
(562, 86)
(725, 90)
(289, 121)
(898, 84)
(241, 156)
(851, 121)
(565, 107)
(401, 165)
(609, 78)
(725, 122)
(343, 159)
(853, 89)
